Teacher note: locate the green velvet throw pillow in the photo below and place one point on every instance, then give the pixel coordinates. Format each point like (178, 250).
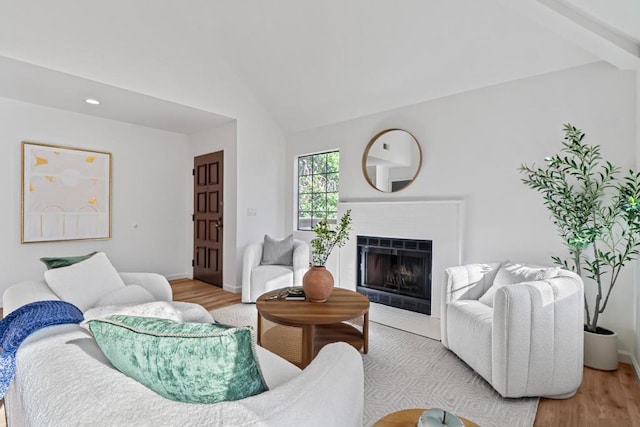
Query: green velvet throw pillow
(57, 262)
(187, 362)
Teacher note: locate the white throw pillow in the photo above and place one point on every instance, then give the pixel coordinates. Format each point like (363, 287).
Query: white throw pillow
(130, 294)
(489, 276)
(158, 309)
(510, 274)
(84, 283)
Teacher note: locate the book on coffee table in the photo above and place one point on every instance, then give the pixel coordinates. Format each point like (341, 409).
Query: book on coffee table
(295, 294)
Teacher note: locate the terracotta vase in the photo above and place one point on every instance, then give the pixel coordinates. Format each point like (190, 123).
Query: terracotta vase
(601, 350)
(317, 284)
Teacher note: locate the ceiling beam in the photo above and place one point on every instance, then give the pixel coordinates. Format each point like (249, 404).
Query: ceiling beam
(585, 31)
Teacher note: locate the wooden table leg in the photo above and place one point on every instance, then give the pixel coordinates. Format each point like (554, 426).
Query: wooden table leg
(259, 332)
(307, 344)
(365, 333)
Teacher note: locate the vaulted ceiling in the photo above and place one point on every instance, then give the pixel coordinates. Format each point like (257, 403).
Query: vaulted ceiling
(312, 63)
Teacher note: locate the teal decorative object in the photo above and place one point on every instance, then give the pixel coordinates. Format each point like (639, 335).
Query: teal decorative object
(187, 362)
(439, 417)
(57, 262)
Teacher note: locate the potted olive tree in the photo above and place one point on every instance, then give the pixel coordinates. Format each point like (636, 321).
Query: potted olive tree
(596, 209)
(318, 281)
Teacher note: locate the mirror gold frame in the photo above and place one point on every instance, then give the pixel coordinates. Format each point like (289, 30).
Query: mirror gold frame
(383, 164)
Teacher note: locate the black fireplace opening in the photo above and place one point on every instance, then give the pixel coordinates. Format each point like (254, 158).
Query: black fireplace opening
(395, 272)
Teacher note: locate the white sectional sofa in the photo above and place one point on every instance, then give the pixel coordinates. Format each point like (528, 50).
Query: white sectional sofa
(62, 378)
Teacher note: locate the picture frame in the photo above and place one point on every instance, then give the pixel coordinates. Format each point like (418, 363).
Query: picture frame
(66, 193)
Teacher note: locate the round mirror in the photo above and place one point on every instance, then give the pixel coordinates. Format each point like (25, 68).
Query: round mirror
(391, 160)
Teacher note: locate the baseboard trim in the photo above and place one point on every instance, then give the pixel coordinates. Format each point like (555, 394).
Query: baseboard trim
(416, 323)
(234, 289)
(179, 276)
(624, 357)
(636, 368)
(630, 359)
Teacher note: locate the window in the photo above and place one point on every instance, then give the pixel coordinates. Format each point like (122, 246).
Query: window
(318, 177)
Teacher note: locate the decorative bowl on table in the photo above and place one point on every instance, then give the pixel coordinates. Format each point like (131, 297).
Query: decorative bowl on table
(437, 417)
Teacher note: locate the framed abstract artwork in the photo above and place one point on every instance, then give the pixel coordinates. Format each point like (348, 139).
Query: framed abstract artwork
(66, 193)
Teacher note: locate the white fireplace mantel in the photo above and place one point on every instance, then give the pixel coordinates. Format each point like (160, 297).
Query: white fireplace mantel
(440, 221)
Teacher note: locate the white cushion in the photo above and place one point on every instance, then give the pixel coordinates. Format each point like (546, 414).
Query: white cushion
(178, 311)
(488, 277)
(510, 274)
(268, 273)
(469, 326)
(275, 370)
(267, 278)
(159, 309)
(130, 294)
(192, 313)
(84, 283)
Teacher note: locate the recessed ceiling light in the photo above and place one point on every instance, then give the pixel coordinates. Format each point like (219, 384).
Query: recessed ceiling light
(92, 101)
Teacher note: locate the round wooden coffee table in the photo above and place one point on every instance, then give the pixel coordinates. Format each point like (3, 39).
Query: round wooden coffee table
(409, 418)
(319, 324)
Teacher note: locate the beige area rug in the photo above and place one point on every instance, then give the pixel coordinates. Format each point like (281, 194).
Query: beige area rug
(404, 370)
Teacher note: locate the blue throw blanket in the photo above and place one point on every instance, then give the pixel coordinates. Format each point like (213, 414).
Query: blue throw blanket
(19, 324)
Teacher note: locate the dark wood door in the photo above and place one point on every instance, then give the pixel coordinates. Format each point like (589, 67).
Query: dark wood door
(207, 218)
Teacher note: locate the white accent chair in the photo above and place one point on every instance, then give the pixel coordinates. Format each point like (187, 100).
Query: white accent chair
(530, 343)
(258, 279)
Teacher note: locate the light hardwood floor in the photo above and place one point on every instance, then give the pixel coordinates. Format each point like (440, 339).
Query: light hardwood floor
(604, 398)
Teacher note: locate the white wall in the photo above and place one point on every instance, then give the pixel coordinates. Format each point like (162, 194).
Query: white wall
(150, 174)
(223, 138)
(254, 171)
(161, 163)
(261, 184)
(473, 144)
(171, 70)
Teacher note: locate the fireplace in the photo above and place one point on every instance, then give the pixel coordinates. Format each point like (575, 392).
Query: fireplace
(395, 272)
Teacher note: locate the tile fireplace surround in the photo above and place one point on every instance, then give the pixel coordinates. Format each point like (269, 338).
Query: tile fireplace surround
(438, 221)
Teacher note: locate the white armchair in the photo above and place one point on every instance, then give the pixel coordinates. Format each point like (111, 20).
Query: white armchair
(530, 343)
(258, 279)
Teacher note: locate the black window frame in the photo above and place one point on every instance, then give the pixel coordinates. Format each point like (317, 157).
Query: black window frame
(306, 222)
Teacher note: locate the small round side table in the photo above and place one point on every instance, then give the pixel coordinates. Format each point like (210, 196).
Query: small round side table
(409, 418)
